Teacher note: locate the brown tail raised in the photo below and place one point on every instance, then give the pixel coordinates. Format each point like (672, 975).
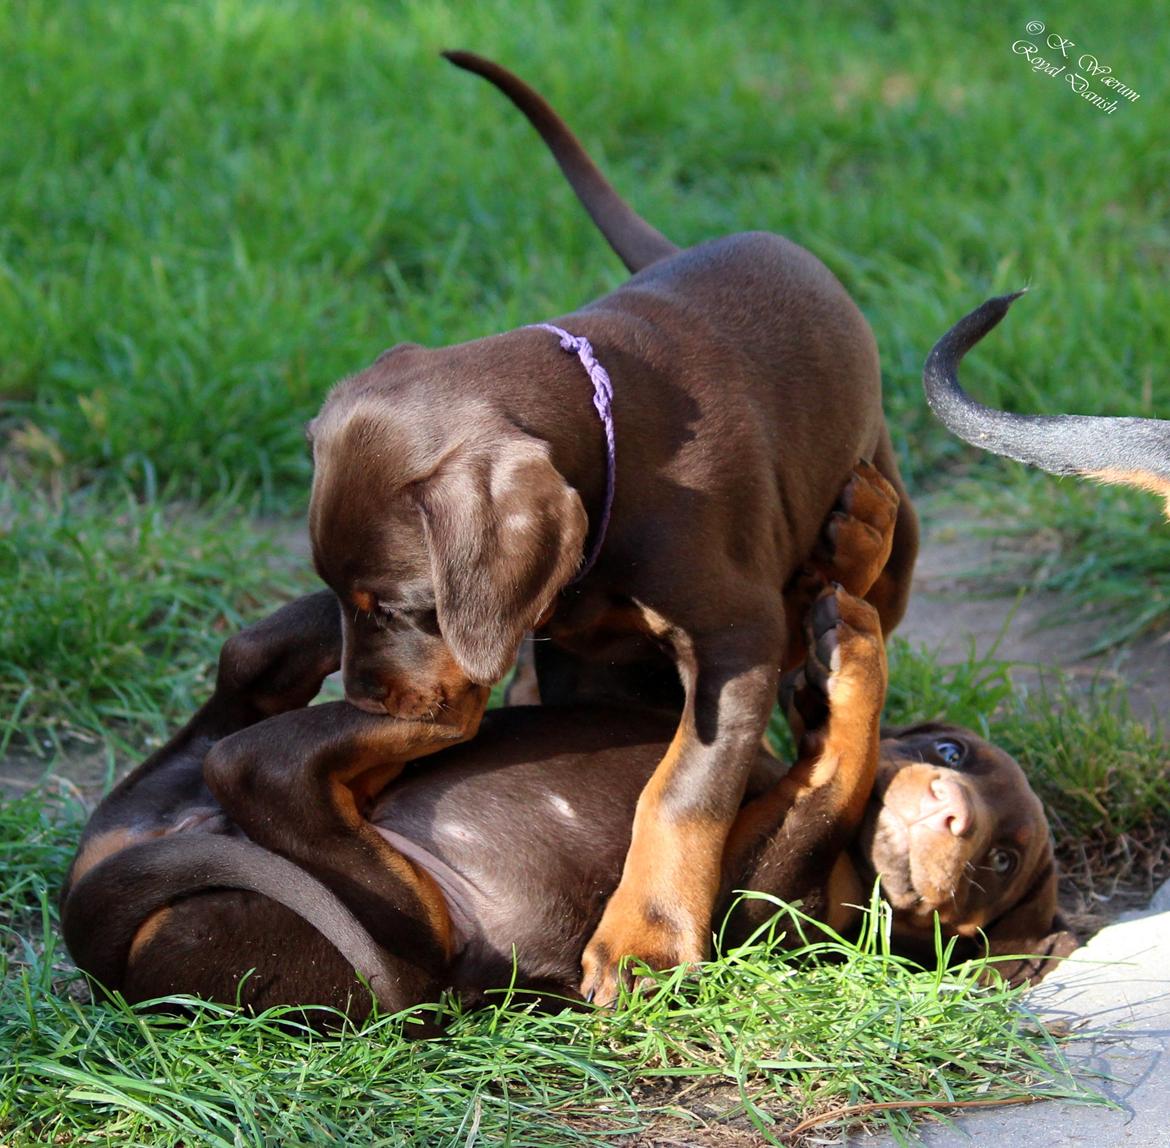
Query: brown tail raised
(636, 243)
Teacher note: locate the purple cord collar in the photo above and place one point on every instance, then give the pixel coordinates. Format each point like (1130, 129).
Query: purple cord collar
(603, 402)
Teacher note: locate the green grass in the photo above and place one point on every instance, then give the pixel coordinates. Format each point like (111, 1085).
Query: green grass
(211, 211)
(224, 207)
(1103, 552)
(114, 609)
(757, 1045)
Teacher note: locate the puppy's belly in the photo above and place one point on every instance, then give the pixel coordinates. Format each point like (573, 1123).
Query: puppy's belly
(527, 897)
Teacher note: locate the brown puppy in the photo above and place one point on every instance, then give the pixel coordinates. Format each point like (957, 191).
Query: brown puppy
(458, 492)
(523, 833)
(1134, 452)
(954, 829)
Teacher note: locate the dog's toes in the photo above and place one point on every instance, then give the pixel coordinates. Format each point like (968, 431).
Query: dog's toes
(639, 928)
(805, 706)
(823, 640)
(845, 642)
(791, 685)
(869, 497)
(857, 536)
(601, 976)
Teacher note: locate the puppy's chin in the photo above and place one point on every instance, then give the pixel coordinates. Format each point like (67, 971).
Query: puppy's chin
(460, 709)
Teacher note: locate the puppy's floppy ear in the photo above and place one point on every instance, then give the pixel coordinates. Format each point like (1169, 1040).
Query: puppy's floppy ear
(1033, 932)
(505, 532)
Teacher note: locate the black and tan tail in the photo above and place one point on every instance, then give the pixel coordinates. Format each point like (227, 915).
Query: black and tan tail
(636, 243)
(1129, 451)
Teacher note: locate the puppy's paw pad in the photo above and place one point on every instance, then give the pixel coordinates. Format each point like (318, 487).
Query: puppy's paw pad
(845, 644)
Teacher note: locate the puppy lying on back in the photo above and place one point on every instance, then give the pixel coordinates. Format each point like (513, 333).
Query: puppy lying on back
(522, 832)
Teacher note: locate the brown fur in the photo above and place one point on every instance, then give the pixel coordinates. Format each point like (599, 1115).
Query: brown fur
(459, 488)
(513, 841)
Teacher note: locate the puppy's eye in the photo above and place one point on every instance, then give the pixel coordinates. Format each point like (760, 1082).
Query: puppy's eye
(951, 753)
(384, 609)
(1001, 861)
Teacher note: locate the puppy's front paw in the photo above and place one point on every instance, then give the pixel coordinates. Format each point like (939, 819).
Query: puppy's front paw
(279, 663)
(631, 927)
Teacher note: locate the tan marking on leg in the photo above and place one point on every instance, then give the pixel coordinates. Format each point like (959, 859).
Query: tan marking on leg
(661, 910)
(841, 758)
(843, 893)
(147, 931)
(848, 759)
(859, 534)
(104, 845)
(758, 818)
(859, 556)
(414, 877)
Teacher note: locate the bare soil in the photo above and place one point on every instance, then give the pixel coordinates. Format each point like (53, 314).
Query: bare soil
(952, 607)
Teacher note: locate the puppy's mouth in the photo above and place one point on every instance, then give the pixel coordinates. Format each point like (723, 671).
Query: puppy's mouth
(461, 712)
(368, 705)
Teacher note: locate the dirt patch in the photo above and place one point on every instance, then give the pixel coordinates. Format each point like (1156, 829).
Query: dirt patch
(80, 772)
(951, 608)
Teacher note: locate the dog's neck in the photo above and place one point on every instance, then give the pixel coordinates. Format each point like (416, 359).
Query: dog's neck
(603, 404)
(574, 429)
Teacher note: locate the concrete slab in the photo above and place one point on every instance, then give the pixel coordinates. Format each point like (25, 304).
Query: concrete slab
(1115, 994)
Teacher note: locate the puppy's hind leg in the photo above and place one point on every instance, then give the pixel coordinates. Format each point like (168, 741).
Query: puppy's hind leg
(299, 785)
(858, 545)
(890, 592)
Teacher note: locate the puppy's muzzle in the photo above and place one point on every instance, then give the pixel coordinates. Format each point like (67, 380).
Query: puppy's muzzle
(407, 700)
(457, 704)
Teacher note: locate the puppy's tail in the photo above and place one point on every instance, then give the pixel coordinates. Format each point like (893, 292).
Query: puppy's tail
(636, 243)
(106, 908)
(1130, 451)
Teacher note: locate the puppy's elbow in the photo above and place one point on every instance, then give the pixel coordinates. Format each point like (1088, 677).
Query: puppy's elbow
(242, 660)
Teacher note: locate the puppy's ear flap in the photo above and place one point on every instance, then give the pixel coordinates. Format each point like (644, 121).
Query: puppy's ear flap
(1033, 937)
(505, 533)
(1031, 960)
